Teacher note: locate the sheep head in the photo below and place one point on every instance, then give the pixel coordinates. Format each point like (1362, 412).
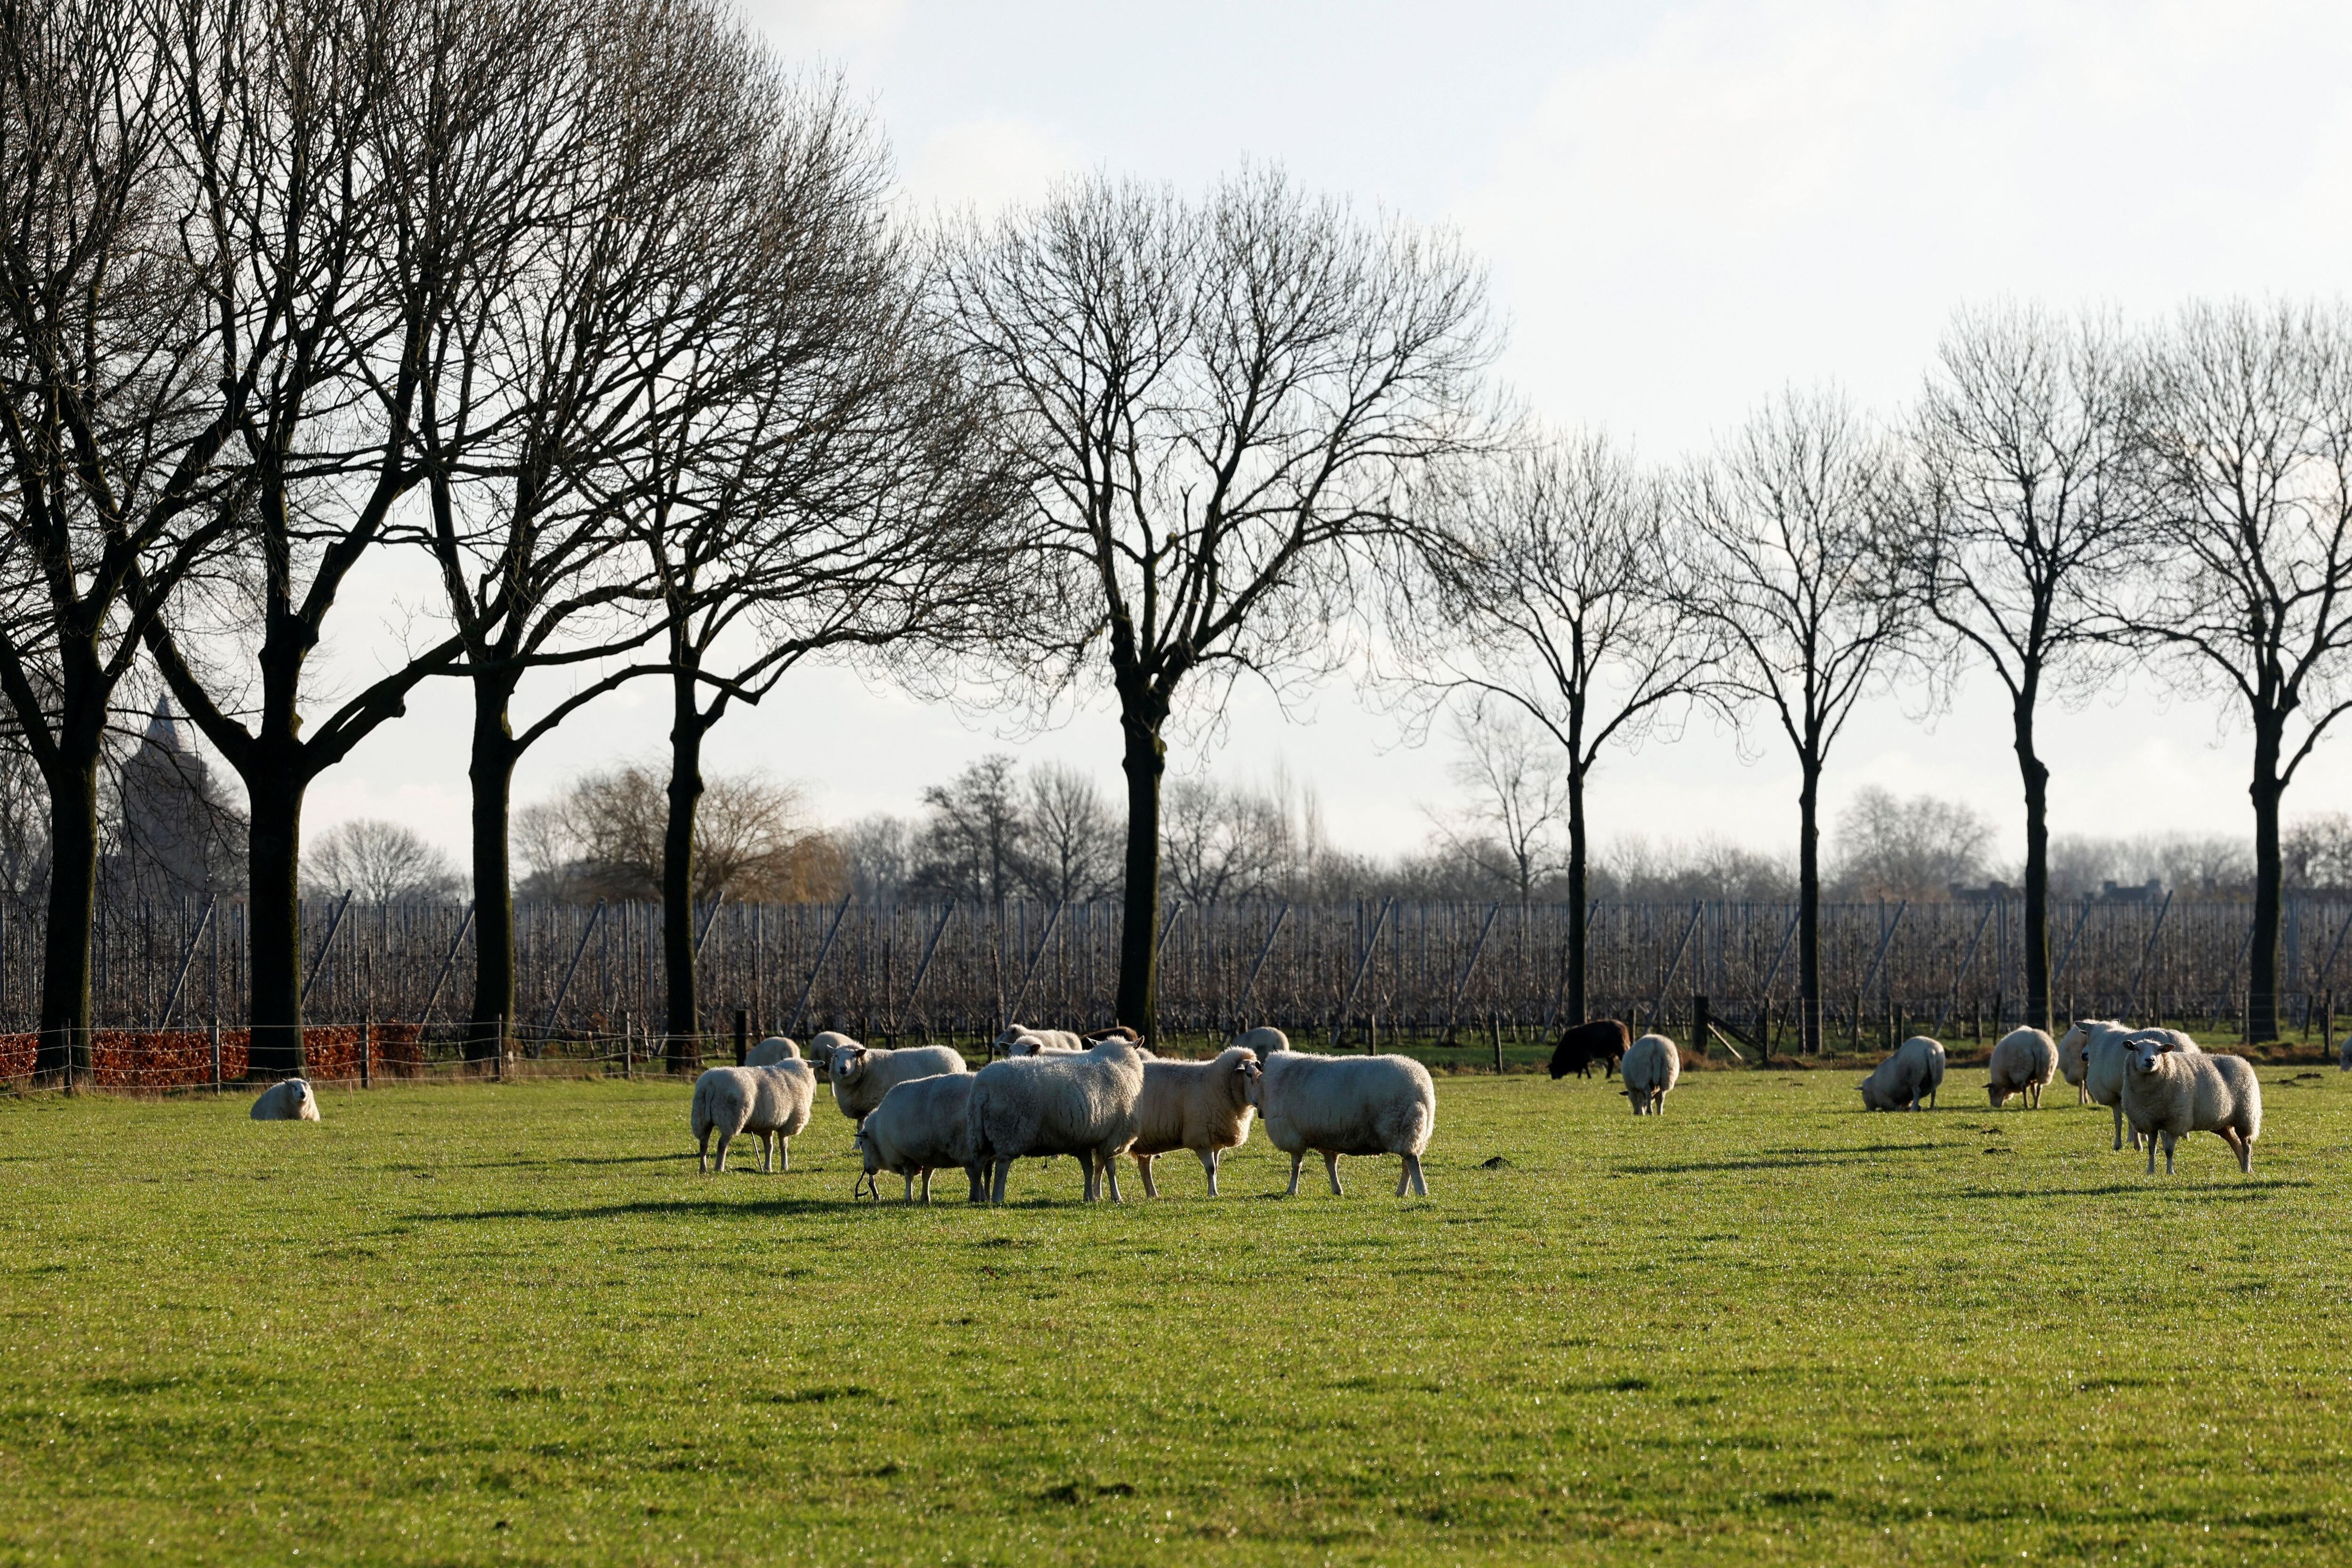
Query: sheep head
(846, 1063)
(2148, 1055)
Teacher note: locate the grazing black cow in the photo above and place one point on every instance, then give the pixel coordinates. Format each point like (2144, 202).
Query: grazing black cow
(1581, 1045)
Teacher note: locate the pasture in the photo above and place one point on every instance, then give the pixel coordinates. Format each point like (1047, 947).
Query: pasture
(485, 1324)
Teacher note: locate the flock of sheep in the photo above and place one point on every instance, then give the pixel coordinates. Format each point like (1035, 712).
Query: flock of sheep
(920, 1110)
(2159, 1082)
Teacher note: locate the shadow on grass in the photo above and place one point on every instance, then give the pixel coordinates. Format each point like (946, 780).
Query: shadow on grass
(2237, 1192)
(1780, 1159)
(768, 1208)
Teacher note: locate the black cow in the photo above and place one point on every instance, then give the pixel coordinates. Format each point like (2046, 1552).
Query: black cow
(1581, 1045)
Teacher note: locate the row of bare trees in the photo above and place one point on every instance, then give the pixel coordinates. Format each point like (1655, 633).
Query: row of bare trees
(592, 312)
(593, 315)
(2066, 496)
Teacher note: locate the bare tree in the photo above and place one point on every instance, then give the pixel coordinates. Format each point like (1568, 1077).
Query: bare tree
(1568, 609)
(2248, 427)
(1801, 574)
(2026, 528)
(115, 409)
(754, 840)
(975, 840)
(1519, 806)
(1073, 839)
(1228, 403)
(379, 862)
(1888, 848)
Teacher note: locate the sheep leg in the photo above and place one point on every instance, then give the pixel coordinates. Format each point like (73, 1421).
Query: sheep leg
(976, 1179)
(766, 1153)
(1331, 1169)
(1296, 1162)
(2170, 1138)
(2119, 1129)
(1143, 1164)
(1209, 1163)
(908, 1196)
(2238, 1147)
(702, 1152)
(1420, 1177)
(1110, 1178)
(927, 1184)
(783, 1153)
(725, 1138)
(996, 1181)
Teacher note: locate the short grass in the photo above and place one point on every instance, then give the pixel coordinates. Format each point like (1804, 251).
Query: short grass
(488, 1324)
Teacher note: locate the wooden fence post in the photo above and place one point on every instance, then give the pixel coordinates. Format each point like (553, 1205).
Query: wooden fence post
(367, 1051)
(216, 1076)
(1699, 1025)
(742, 1036)
(1495, 1031)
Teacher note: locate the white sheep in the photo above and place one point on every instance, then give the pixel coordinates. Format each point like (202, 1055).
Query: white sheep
(2023, 1062)
(1915, 1072)
(1019, 1040)
(771, 1102)
(1040, 1106)
(2101, 1045)
(1262, 1041)
(288, 1100)
(1201, 1106)
(773, 1049)
(2169, 1092)
(1650, 1070)
(2071, 1065)
(1346, 1105)
(862, 1075)
(920, 1127)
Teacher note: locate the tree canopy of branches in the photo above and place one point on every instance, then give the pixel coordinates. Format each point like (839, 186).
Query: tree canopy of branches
(1801, 575)
(2247, 426)
(1228, 404)
(603, 839)
(379, 862)
(2027, 525)
(1566, 609)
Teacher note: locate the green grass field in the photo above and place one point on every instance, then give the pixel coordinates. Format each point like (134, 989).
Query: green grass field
(487, 1323)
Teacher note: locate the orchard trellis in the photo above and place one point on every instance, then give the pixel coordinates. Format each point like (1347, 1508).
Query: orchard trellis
(1395, 973)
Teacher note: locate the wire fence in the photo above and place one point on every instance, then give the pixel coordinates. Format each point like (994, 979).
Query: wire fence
(590, 978)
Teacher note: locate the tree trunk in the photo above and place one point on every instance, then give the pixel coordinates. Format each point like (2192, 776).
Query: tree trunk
(492, 772)
(683, 1024)
(1145, 762)
(2263, 953)
(1809, 907)
(2036, 777)
(73, 906)
(1577, 934)
(273, 863)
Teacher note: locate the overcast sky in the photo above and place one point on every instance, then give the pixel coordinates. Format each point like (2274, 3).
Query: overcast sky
(1684, 207)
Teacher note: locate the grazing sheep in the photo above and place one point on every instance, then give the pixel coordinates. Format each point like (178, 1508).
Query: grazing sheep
(1913, 1072)
(1201, 1106)
(1346, 1105)
(771, 1102)
(2023, 1062)
(1581, 1045)
(773, 1049)
(1040, 1106)
(2169, 1092)
(1652, 1067)
(918, 1128)
(2071, 1065)
(862, 1075)
(288, 1100)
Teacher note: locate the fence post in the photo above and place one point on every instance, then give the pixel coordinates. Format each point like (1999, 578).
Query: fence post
(499, 1048)
(217, 1078)
(367, 1051)
(742, 1036)
(1494, 1033)
(1699, 1025)
(626, 1039)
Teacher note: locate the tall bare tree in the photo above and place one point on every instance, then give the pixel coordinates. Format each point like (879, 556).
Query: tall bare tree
(115, 409)
(364, 167)
(2028, 496)
(2248, 427)
(1568, 606)
(1230, 402)
(1801, 574)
